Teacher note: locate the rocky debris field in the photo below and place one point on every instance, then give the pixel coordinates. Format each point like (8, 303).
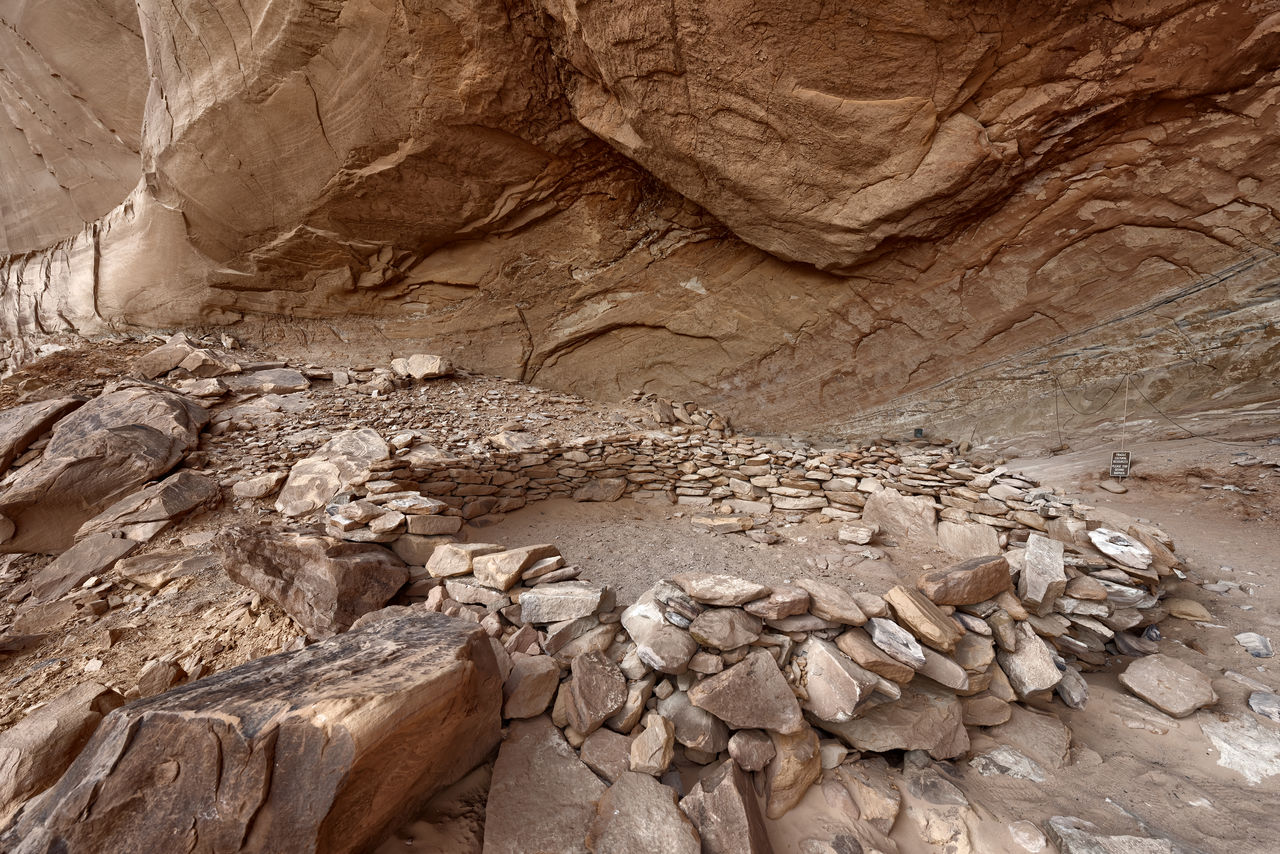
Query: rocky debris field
(239, 591)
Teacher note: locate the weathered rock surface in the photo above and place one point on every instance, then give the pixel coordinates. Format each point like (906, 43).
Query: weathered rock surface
(639, 815)
(86, 558)
(286, 753)
(149, 511)
(968, 583)
(98, 454)
(323, 583)
(22, 425)
(35, 751)
(1172, 686)
(752, 694)
(542, 797)
(921, 720)
(724, 809)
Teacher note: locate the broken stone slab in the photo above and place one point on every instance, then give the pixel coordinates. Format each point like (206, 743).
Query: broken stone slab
(1030, 667)
(968, 539)
(725, 628)
(1263, 703)
(1121, 548)
(1172, 686)
(724, 809)
(432, 526)
(454, 559)
(270, 381)
(639, 815)
(857, 533)
(91, 556)
(597, 689)
(290, 752)
(896, 642)
(340, 463)
(723, 524)
(261, 486)
(659, 644)
(720, 590)
(323, 583)
(426, 366)
(162, 359)
(923, 618)
(564, 600)
(924, 719)
(206, 364)
(501, 570)
(944, 671)
(835, 686)
(417, 550)
(149, 511)
(1258, 646)
(516, 441)
(1041, 736)
(22, 425)
(968, 583)
(908, 518)
(857, 644)
(103, 451)
(542, 797)
(1044, 576)
(605, 489)
(829, 602)
(1077, 836)
(1008, 762)
(786, 600)
(37, 749)
(752, 694)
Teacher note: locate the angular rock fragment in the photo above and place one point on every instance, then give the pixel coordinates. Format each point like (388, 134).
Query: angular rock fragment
(1030, 667)
(895, 641)
(722, 590)
(1077, 836)
(723, 807)
(835, 685)
(607, 753)
(100, 453)
(787, 600)
(696, 728)
(270, 381)
(653, 750)
(37, 749)
(794, 768)
(725, 628)
(1120, 547)
(968, 583)
(857, 644)
(503, 569)
(659, 644)
(929, 720)
(542, 798)
(261, 486)
(457, 558)
(923, 618)
(291, 751)
(149, 511)
(968, 539)
(602, 489)
(564, 600)
(22, 425)
(1043, 577)
(752, 694)
(91, 556)
(829, 602)
(639, 815)
(323, 583)
(342, 462)
(530, 686)
(1172, 686)
(597, 689)
(752, 749)
(909, 518)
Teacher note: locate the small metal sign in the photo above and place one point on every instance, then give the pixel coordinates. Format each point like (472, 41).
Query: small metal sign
(1120, 462)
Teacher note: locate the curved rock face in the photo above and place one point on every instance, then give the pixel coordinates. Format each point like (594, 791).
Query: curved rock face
(848, 216)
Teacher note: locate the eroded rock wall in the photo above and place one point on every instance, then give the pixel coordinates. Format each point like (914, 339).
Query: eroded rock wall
(808, 216)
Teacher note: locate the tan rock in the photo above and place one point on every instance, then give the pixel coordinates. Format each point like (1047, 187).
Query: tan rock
(857, 644)
(607, 753)
(1172, 686)
(968, 539)
(723, 807)
(923, 619)
(751, 749)
(928, 720)
(752, 694)
(503, 569)
(909, 518)
(652, 751)
(457, 558)
(794, 768)
(787, 600)
(721, 590)
(835, 686)
(1030, 666)
(725, 628)
(829, 602)
(639, 815)
(597, 689)
(529, 688)
(1043, 577)
(968, 583)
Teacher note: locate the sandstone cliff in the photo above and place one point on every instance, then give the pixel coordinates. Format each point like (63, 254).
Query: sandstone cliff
(842, 216)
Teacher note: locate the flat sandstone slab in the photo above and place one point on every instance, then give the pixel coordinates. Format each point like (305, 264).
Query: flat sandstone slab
(323, 750)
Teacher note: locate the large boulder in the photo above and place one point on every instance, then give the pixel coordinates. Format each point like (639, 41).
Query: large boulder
(324, 583)
(37, 749)
(149, 511)
(22, 425)
(100, 453)
(321, 750)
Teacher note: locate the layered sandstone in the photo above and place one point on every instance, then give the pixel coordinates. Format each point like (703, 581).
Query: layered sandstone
(860, 217)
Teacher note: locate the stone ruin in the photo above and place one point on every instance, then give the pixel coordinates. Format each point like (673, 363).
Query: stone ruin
(425, 647)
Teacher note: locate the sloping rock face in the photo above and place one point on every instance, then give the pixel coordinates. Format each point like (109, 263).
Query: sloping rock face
(829, 206)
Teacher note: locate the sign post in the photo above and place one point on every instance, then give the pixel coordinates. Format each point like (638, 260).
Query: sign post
(1120, 462)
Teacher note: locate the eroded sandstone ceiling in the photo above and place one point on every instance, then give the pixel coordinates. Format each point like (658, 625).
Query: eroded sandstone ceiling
(809, 214)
